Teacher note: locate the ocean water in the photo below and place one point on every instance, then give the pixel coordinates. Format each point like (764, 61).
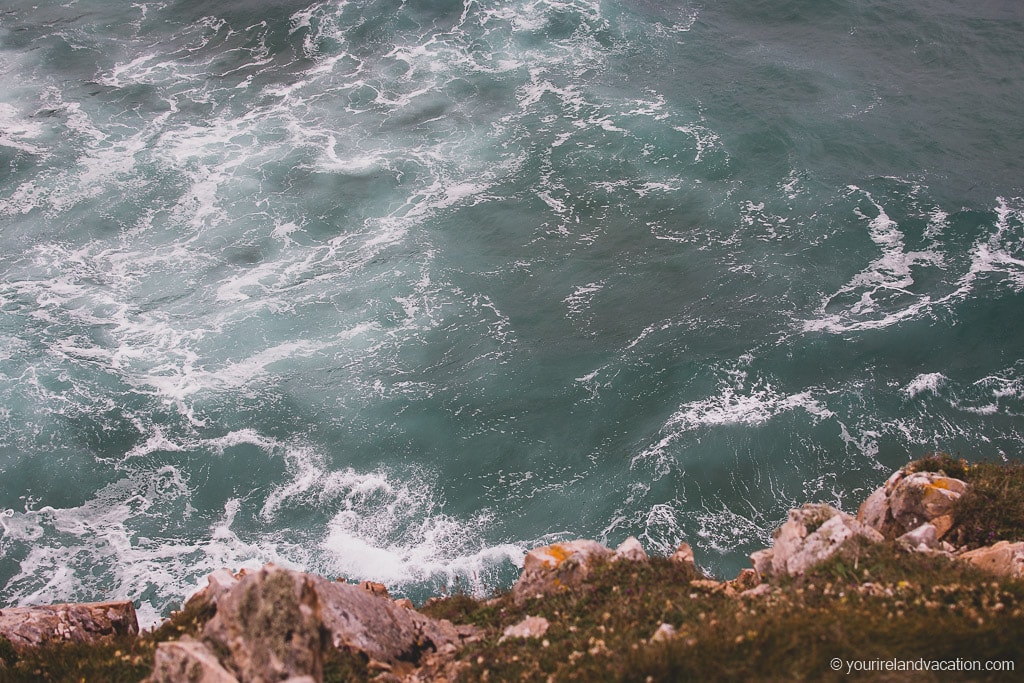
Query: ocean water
(399, 289)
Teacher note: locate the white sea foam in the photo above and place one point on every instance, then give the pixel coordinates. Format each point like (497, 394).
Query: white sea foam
(735, 404)
(16, 131)
(705, 139)
(385, 527)
(888, 277)
(379, 526)
(999, 253)
(929, 382)
(95, 551)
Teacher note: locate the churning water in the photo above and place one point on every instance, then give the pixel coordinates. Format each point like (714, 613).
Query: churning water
(398, 289)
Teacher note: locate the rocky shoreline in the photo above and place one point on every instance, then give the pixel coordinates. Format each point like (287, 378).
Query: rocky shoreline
(898, 579)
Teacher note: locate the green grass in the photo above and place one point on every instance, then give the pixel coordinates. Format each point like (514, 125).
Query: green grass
(868, 602)
(992, 509)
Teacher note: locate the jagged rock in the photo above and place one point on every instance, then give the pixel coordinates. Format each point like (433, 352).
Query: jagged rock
(358, 620)
(1004, 559)
(811, 535)
(664, 633)
(757, 591)
(746, 579)
(347, 615)
(530, 627)
(684, 555)
(557, 567)
(274, 625)
(78, 622)
(631, 550)
(923, 538)
(374, 588)
(907, 501)
(217, 584)
(876, 513)
(924, 496)
(271, 626)
(404, 603)
(762, 561)
(187, 660)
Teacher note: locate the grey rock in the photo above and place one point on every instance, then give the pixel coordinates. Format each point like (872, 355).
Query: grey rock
(1003, 559)
(530, 627)
(277, 621)
(77, 622)
(907, 501)
(812, 534)
(923, 538)
(557, 567)
(187, 660)
(270, 627)
(631, 550)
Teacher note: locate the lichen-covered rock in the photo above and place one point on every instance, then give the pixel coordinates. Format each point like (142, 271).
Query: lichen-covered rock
(275, 611)
(271, 626)
(187, 660)
(74, 622)
(907, 501)
(275, 625)
(631, 550)
(924, 496)
(810, 535)
(1003, 559)
(557, 567)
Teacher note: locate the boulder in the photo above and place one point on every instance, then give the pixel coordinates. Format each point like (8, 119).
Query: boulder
(374, 588)
(924, 496)
(811, 535)
(270, 626)
(218, 583)
(907, 501)
(631, 550)
(1003, 559)
(557, 567)
(77, 622)
(876, 513)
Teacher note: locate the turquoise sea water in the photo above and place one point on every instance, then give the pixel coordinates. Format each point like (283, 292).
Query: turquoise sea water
(397, 290)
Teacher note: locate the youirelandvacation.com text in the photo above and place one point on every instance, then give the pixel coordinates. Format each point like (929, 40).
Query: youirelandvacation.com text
(851, 666)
